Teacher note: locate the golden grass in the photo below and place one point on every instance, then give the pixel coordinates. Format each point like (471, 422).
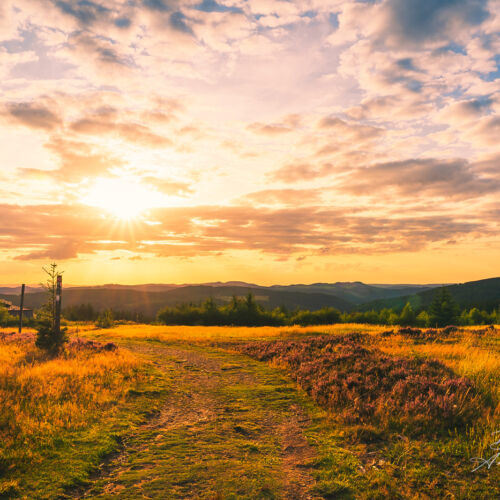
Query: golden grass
(212, 333)
(469, 355)
(45, 400)
(41, 398)
(466, 353)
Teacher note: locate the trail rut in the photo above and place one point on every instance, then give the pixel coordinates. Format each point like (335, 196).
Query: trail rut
(227, 429)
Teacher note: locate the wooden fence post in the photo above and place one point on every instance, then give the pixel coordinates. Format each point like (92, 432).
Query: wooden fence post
(21, 308)
(57, 323)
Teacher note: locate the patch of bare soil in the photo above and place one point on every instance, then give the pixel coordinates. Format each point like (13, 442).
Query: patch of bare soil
(297, 456)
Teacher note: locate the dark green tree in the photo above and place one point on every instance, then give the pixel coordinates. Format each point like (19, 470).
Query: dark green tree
(443, 310)
(48, 336)
(407, 316)
(4, 314)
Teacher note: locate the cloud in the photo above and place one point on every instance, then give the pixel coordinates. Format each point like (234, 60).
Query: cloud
(297, 172)
(84, 12)
(32, 115)
(168, 186)
(157, 5)
(347, 130)
(102, 51)
(420, 21)
(196, 231)
(213, 6)
(106, 122)
(293, 197)
(435, 177)
(381, 107)
(67, 231)
(487, 131)
(268, 129)
(467, 110)
(60, 250)
(77, 160)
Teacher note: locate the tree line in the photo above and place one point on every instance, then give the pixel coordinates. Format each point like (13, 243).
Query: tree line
(246, 311)
(442, 311)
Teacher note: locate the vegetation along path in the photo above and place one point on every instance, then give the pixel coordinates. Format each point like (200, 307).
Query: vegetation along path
(230, 427)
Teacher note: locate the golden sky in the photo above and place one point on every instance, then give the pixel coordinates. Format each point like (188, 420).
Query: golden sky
(269, 141)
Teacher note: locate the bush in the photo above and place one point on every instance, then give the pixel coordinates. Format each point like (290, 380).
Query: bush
(325, 316)
(106, 319)
(366, 386)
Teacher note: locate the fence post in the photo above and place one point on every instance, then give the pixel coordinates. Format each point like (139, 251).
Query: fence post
(57, 323)
(21, 308)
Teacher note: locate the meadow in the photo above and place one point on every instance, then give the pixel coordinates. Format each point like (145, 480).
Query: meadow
(335, 411)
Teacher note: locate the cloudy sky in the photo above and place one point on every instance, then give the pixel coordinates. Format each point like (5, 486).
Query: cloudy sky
(270, 141)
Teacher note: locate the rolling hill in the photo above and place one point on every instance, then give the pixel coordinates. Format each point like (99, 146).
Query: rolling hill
(484, 294)
(149, 303)
(356, 292)
(148, 299)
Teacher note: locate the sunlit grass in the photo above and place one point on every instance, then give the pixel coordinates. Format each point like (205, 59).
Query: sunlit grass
(61, 416)
(470, 355)
(49, 404)
(213, 333)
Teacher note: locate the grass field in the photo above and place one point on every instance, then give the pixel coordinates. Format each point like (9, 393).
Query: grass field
(183, 412)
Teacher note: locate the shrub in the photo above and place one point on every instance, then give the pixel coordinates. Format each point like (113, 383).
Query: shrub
(106, 319)
(325, 316)
(366, 386)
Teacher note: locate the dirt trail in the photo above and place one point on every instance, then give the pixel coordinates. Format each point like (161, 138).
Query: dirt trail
(229, 428)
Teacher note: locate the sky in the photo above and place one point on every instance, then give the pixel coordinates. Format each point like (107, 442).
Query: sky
(269, 141)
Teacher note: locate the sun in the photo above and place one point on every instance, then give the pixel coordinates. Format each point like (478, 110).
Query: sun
(124, 198)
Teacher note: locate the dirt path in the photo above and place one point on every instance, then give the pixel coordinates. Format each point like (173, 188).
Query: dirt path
(230, 428)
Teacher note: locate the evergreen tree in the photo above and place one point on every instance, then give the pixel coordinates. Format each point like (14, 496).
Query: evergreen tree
(407, 317)
(48, 337)
(443, 310)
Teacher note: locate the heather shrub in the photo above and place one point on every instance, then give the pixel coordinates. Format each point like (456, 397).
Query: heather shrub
(410, 332)
(365, 386)
(429, 333)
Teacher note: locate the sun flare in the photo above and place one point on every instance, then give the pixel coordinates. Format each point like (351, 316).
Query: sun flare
(123, 198)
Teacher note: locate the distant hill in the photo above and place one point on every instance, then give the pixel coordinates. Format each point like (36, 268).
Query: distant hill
(484, 294)
(356, 292)
(149, 303)
(16, 290)
(163, 287)
(148, 299)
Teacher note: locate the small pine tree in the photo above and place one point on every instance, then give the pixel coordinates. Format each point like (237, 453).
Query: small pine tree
(48, 337)
(250, 302)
